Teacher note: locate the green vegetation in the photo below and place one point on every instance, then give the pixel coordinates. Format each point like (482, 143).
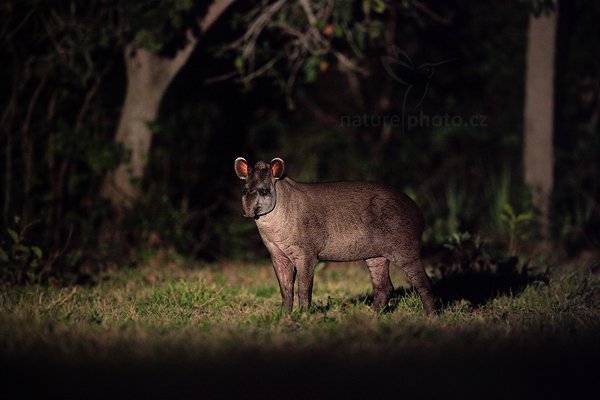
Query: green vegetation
(212, 308)
(196, 327)
(19, 261)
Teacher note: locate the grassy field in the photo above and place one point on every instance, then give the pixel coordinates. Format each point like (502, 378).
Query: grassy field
(217, 331)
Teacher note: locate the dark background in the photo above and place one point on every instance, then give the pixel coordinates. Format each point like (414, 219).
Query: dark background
(461, 176)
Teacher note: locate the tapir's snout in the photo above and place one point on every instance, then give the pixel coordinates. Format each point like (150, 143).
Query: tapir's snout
(252, 212)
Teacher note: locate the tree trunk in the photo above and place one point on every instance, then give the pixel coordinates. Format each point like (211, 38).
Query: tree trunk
(148, 77)
(27, 150)
(539, 113)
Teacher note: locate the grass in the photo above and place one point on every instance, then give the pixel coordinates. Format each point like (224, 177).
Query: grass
(218, 330)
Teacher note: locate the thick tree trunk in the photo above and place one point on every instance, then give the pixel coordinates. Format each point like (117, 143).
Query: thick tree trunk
(539, 112)
(148, 77)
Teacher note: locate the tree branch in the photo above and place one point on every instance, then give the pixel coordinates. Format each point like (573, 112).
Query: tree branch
(312, 20)
(432, 14)
(91, 93)
(215, 10)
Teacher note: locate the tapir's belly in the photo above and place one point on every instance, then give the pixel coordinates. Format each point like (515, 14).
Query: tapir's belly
(351, 243)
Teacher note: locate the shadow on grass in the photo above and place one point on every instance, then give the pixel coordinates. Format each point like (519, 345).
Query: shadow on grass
(478, 287)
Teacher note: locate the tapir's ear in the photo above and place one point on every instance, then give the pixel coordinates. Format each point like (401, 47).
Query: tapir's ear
(241, 167)
(277, 167)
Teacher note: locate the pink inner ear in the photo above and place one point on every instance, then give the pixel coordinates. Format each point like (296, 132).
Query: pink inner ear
(242, 168)
(276, 169)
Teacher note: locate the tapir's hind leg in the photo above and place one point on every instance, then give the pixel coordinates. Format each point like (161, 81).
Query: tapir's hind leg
(379, 269)
(415, 271)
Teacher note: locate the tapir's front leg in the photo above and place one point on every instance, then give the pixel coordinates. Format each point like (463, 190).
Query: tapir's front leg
(305, 266)
(286, 275)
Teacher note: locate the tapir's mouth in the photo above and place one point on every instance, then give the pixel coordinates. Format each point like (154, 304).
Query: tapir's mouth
(253, 214)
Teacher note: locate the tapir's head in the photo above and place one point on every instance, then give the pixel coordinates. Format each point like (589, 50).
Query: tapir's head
(259, 195)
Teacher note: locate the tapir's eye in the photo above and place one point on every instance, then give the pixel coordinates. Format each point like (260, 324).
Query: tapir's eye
(263, 192)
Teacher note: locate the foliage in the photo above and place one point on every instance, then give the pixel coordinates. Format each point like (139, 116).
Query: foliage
(56, 128)
(65, 85)
(299, 40)
(158, 25)
(19, 262)
(474, 270)
(60, 109)
(576, 209)
(466, 251)
(470, 254)
(519, 226)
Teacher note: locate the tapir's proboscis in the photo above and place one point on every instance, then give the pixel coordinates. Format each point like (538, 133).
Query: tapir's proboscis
(302, 223)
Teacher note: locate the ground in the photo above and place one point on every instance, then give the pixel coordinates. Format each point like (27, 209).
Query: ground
(217, 331)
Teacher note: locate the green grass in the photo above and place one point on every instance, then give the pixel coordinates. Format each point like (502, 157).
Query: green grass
(227, 315)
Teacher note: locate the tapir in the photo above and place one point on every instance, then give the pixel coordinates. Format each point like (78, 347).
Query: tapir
(302, 223)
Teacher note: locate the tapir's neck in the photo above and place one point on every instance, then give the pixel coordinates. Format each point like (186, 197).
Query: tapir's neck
(287, 200)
